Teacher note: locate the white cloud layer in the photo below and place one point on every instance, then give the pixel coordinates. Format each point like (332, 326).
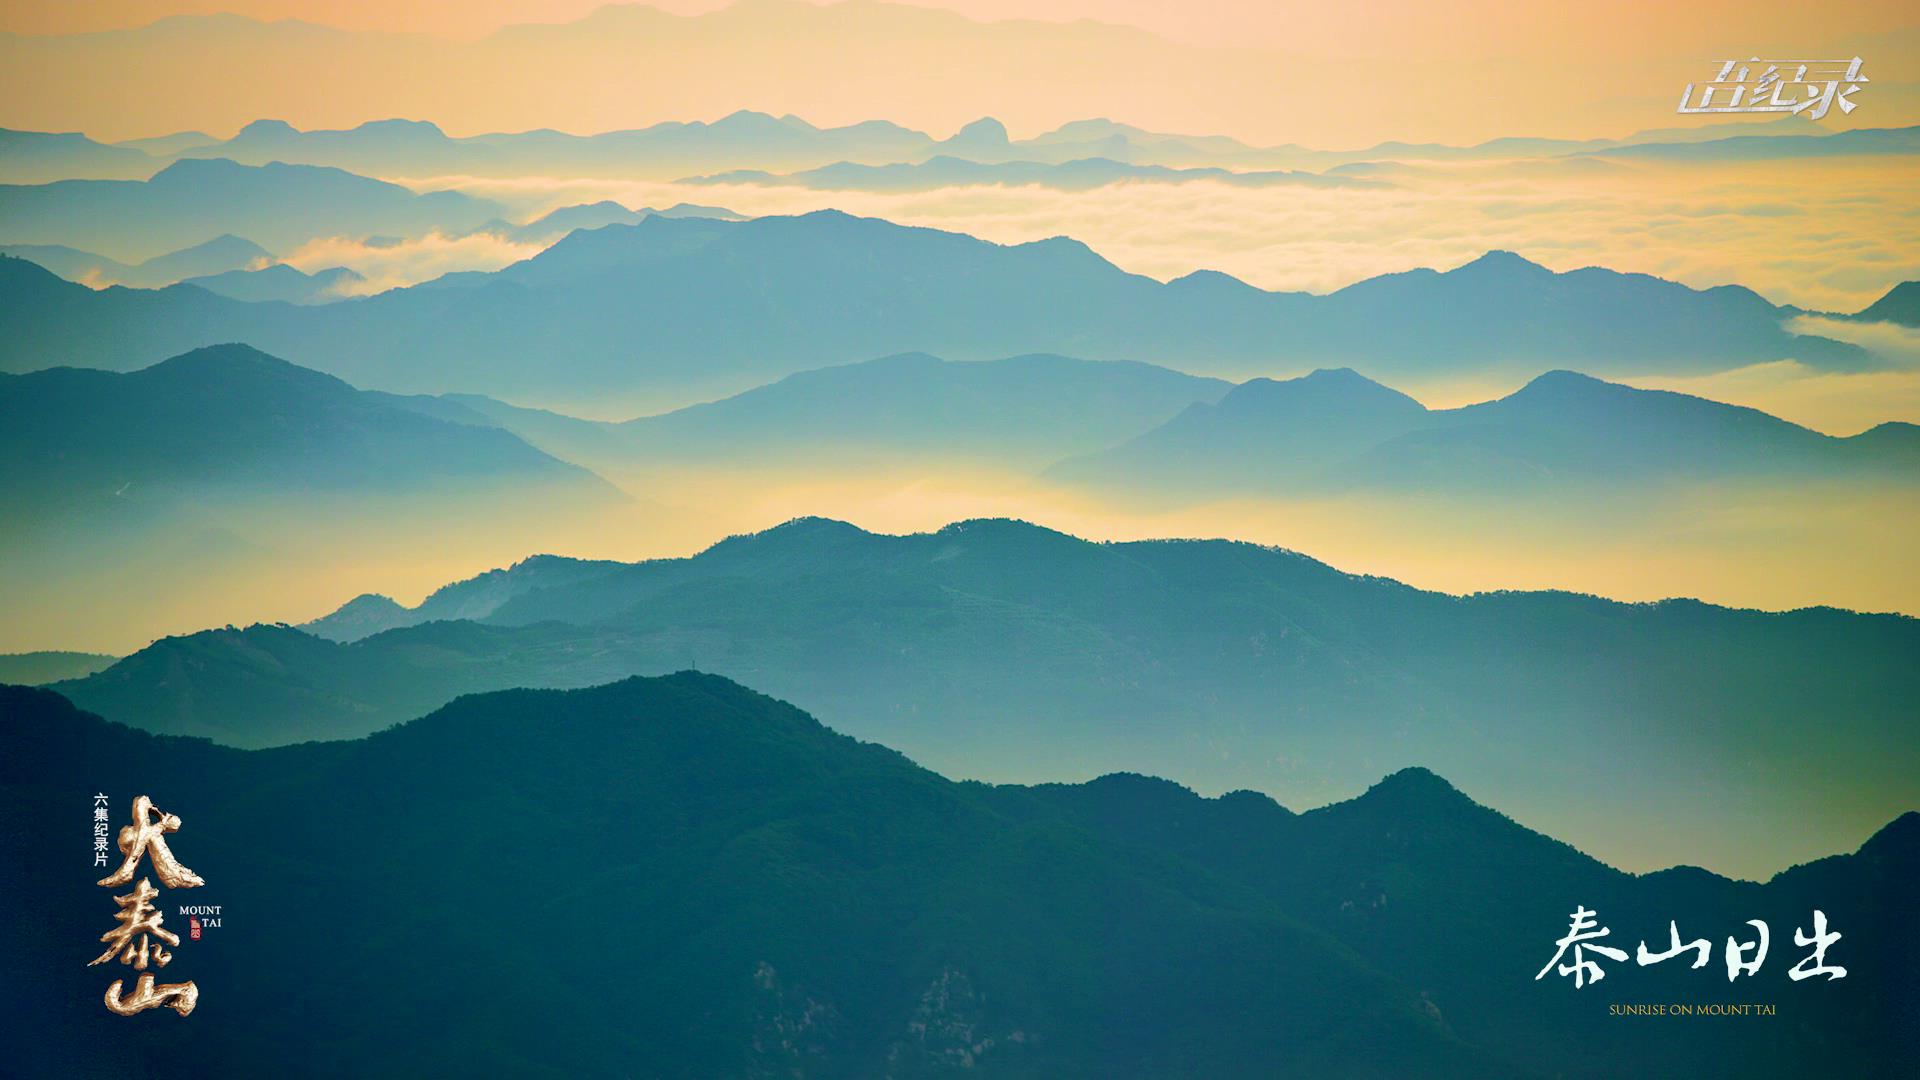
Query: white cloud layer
(1826, 235)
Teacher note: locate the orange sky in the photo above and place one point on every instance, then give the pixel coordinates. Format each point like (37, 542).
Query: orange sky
(1323, 74)
(1389, 28)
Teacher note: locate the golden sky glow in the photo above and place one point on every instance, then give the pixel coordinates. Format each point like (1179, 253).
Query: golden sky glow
(1824, 234)
(1331, 75)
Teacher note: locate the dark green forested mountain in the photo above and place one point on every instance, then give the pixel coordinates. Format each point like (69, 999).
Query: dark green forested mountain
(678, 306)
(680, 877)
(1002, 650)
(1337, 430)
(232, 419)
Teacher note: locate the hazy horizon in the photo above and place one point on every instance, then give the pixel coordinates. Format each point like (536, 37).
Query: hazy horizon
(1398, 71)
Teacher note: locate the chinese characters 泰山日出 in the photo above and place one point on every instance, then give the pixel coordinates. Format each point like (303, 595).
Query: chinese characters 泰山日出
(1743, 958)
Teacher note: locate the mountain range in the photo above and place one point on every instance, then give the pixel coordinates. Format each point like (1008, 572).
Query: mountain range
(280, 282)
(1082, 174)
(1136, 429)
(1008, 652)
(601, 69)
(1873, 141)
(707, 881)
(219, 255)
(681, 308)
(36, 668)
(238, 268)
(557, 223)
(39, 157)
(232, 419)
(1021, 411)
(189, 202)
(758, 142)
(1337, 430)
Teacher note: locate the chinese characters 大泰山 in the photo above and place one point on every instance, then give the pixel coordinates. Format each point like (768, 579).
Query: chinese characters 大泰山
(140, 939)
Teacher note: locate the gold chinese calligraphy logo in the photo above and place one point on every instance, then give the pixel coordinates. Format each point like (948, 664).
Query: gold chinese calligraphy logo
(140, 940)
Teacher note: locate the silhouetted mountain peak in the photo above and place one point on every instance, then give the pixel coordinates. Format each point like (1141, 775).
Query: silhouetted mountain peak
(1899, 837)
(266, 129)
(1900, 305)
(1213, 279)
(748, 120)
(369, 604)
(23, 273)
(801, 533)
(1065, 250)
(813, 526)
(1501, 264)
(1318, 390)
(1562, 381)
(985, 133)
(830, 216)
(1889, 434)
(1684, 879)
(1415, 789)
(1571, 388)
(230, 358)
(1343, 376)
(998, 527)
(1140, 785)
(398, 126)
(226, 245)
(192, 170)
(224, 366)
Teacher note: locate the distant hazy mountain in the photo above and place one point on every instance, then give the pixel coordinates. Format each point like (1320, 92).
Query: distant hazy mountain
(166, 146)
(1008, 652)
(1078, 175)
(557, 223)
(1335, 430)
(691, 307)
(474, 598)
(662, 151)
(36, 157)
(1770, 147)
(1023, 411)
(216, 256)
(281, 206)
(1900, 305)
(280, 282)
(707, 882)
(1015, 410)
(758, 142)
(37, 668)
(234, 419)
